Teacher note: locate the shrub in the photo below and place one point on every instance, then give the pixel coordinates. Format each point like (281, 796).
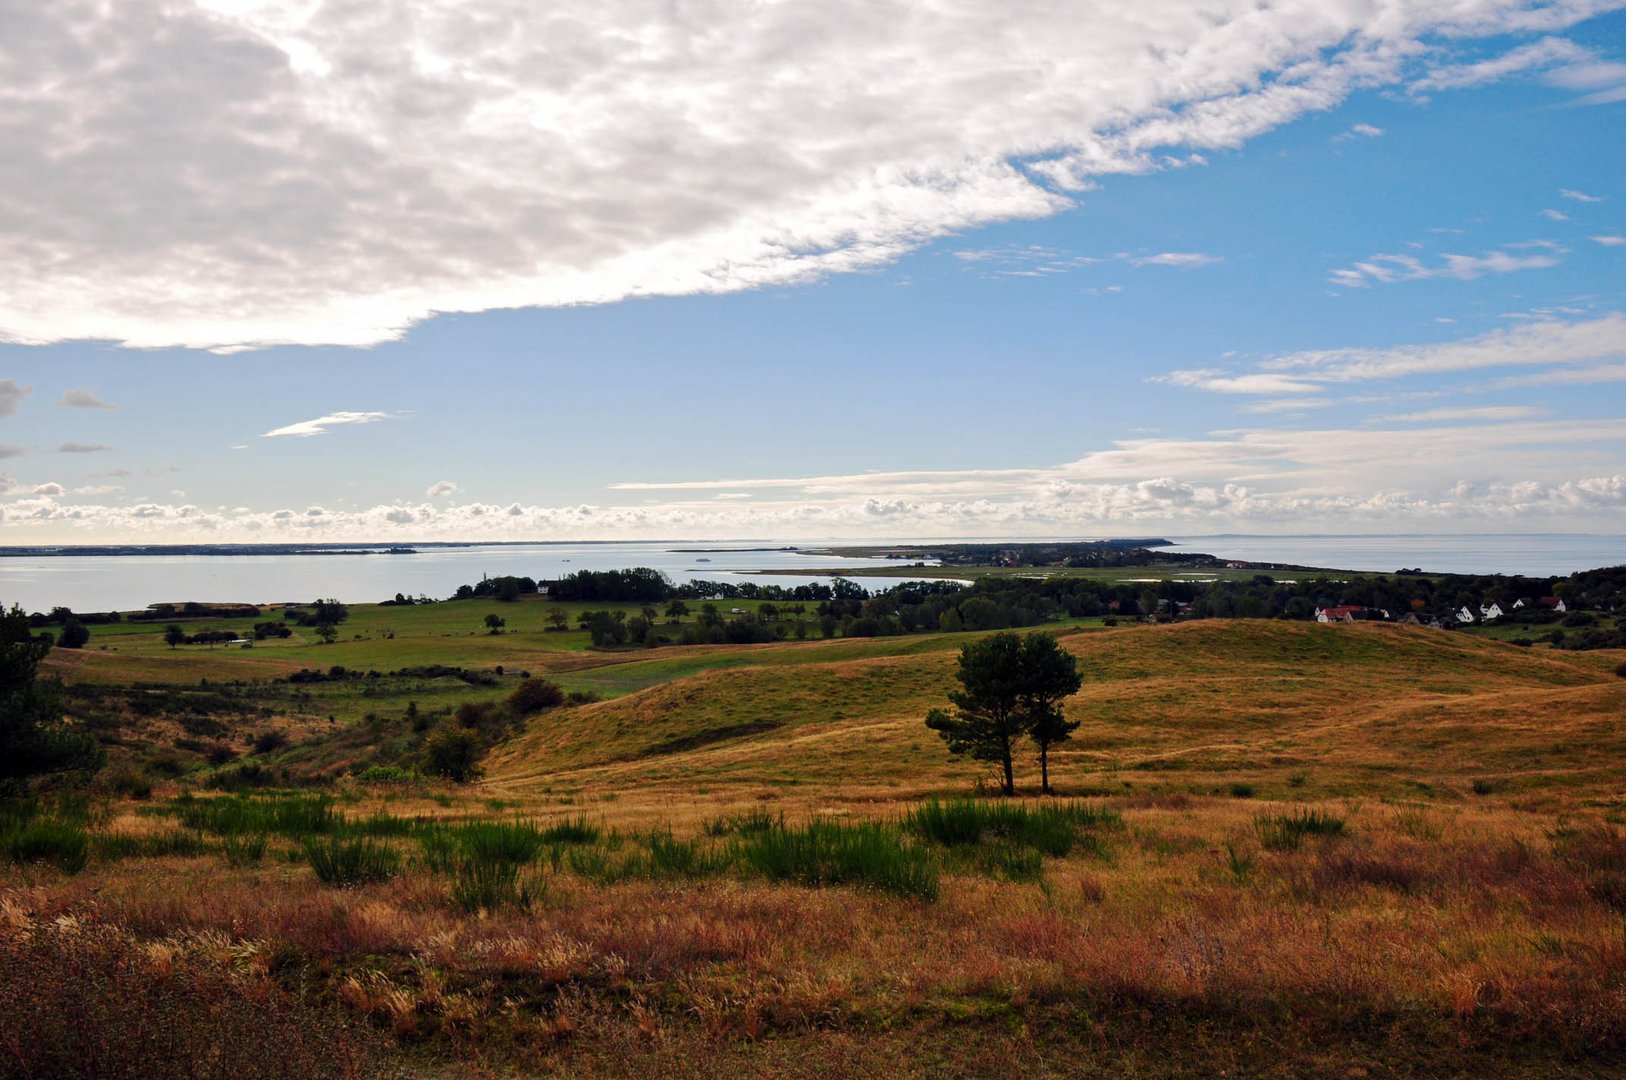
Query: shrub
(1483, 787)
(451, 750)
(1241, 791)
(342, 862)
(389, 774)
(269, 742)
(534, 695)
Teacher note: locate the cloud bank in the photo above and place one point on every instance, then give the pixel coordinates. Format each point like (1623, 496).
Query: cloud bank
(1491, 468)
(235, 173)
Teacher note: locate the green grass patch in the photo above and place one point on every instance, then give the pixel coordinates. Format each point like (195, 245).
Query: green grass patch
(1286, 832)
(343, 861)
(1050, 828)
(294, 816)
(836, 853)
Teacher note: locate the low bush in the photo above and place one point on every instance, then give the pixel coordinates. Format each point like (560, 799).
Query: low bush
(534, 695)
(389, 774)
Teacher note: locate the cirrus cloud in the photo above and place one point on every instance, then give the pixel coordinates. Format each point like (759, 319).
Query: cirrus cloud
(304, 429)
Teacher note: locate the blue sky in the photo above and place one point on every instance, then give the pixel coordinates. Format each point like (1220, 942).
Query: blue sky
(1316, 267)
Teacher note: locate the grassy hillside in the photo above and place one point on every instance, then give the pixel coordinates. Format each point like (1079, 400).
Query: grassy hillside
(1284, 850)
(1292, 709)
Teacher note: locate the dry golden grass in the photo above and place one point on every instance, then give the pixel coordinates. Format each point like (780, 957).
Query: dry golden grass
(1451, 931)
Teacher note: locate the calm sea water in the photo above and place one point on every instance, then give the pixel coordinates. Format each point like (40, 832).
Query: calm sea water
(102, 583)
(130, 582)
(1534, 555)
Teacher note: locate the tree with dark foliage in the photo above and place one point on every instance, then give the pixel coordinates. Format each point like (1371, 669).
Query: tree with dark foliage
(33, 739)
(1011, 686)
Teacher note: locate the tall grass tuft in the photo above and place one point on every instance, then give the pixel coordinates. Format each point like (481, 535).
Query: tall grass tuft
(1051, 828)
(174, 842)
(31, 832)
(354, 861)
(574, 830)
(833, 852)
(515, 842)
(753, 821)
(245, 850)
(293, 816)
(488, 884)
(1286, 832)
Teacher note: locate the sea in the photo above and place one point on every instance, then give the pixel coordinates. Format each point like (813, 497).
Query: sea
(130, 582)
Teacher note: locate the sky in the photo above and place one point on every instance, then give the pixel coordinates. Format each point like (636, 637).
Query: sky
(294, 270)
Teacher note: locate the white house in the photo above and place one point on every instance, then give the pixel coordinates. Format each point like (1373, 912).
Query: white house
(1465, 616)
(1493, 612)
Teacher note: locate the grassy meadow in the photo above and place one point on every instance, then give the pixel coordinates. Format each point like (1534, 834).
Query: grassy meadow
(1278, 849)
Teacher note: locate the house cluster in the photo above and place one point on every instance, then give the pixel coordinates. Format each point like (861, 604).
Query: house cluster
(1462, 617)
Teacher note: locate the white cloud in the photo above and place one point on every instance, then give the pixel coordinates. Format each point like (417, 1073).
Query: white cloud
(1489, 412)
(306, 428)
(1610, 241)
(1220, 383)
(97, 489)
(1567, 377)
(11, 396)
(1286, 405)
(82, 448)
(1555, 215)
(1538, 55)
(230, 173)
(11, 488)
(1579, 196)
(1539, 343)
(437, 490)
(1183, 260)
(84, 399)
(7, 450)
(1545, 341)
(1387, 269)
(1362, 130)
(1556, 471)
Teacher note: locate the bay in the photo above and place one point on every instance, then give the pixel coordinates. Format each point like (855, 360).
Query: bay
(132, 582)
